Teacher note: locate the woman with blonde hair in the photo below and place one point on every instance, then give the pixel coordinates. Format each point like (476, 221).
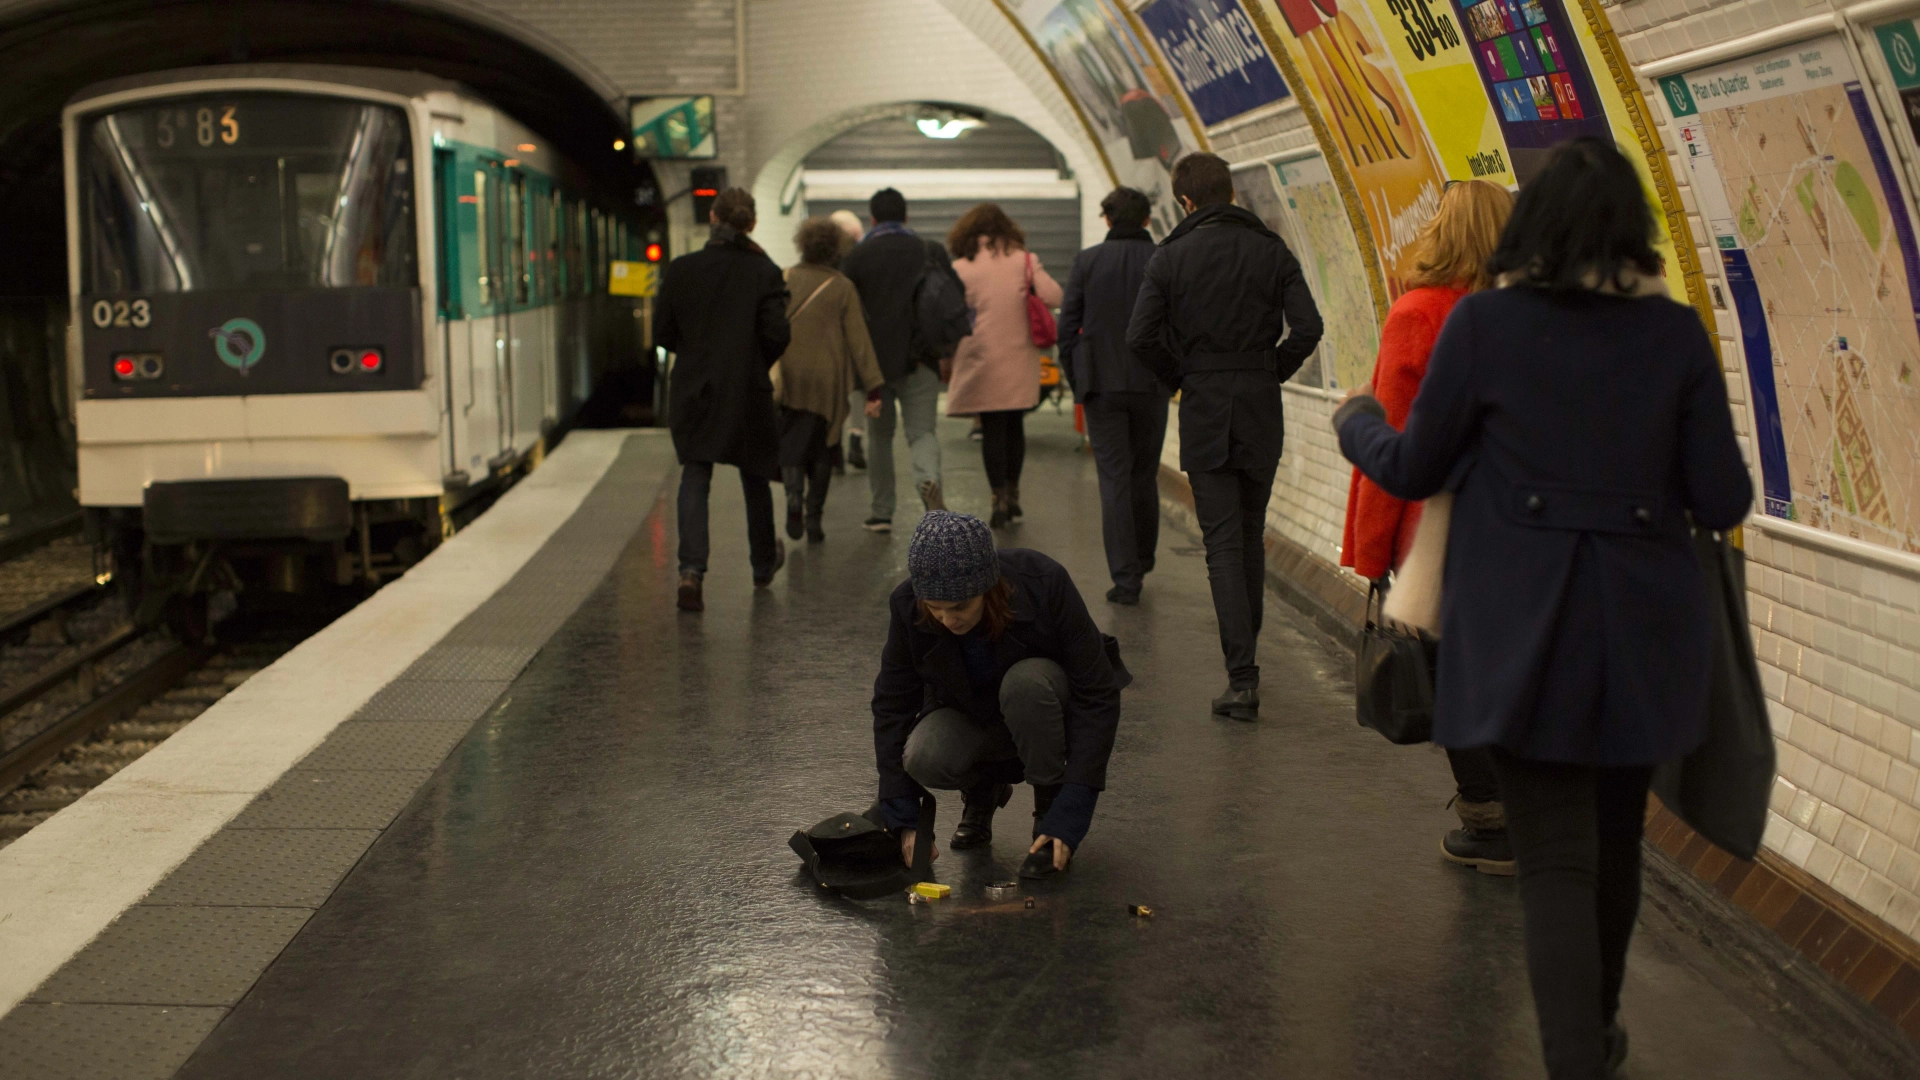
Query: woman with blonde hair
(996, 371)
(830, 356)
(1450, 257)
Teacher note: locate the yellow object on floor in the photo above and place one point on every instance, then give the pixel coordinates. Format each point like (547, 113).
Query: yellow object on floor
(933, 891)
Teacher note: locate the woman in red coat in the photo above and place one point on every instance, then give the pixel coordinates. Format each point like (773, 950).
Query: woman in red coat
(1451, 252)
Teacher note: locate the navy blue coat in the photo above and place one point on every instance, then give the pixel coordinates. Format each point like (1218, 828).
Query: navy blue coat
(1577, 433)
(1095, 312)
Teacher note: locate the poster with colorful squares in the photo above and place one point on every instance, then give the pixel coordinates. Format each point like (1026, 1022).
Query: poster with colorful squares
(1535, 74)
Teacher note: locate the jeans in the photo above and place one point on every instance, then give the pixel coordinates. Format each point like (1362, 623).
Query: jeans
(948, 750)
(696, 481)
(918, 395)
(1232, 507)
(1576, 835)
(1127, 430)
(1003, 446)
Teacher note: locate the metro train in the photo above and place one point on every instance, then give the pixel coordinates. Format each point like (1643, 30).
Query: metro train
(315, 310)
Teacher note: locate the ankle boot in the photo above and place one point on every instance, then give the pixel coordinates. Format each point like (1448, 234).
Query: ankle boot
(690, 598)
(1014, 512)
(819, 478)
(1001, 518)
(794, 479)
(1481, 842)
(976, 815)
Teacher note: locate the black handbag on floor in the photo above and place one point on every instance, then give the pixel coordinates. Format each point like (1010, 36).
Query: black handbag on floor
(1394, 683)
(1722, 787)
(856, 856)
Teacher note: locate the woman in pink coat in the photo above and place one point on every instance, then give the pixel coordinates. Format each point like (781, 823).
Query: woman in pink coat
(996, 372)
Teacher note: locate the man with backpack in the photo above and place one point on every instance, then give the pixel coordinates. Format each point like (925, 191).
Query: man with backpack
(915, 309)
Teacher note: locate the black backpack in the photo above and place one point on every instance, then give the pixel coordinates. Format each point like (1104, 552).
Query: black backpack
(941, 316)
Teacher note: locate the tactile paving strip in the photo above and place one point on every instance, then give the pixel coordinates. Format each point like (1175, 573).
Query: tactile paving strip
(471, 662)
(326, 799)
(102, 1042)
(421, 699)
(265, 868)
(176, 956)
(387, 744)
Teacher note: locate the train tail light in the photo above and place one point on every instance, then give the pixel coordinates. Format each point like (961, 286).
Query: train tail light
(138, 367)
(356, 359)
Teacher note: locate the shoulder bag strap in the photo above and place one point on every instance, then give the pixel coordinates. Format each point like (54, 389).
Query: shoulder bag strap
(795, 313)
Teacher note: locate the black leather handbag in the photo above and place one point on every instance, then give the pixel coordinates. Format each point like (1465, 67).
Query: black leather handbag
(1394, 683)
(1722, 787)
(857, 856)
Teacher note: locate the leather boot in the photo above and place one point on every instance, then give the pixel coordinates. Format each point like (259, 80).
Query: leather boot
(976, 815)
(1481, 842)
(794, 479)
(1013, 503)
(1239, 704)
(819, 478)
(690, 598)
(1001, 518)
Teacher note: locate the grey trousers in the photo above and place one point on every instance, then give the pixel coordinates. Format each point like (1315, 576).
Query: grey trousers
(918, 395)
(1127, 431)
(947, 750)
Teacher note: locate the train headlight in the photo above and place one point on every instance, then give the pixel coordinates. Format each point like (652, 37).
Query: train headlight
(136, 367)
(356, 359)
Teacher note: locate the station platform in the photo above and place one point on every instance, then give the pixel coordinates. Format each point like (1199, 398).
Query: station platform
(551, 841)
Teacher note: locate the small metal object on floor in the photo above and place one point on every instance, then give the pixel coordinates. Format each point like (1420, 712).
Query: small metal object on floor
(1140, 911)
(1003, 890)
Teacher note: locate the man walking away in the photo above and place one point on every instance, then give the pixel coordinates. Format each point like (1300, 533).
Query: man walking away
(887, 267)
(1126, 406)
(723, 313)
(1217, 297)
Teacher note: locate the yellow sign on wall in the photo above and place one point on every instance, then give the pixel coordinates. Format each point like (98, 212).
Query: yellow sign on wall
(633, 278)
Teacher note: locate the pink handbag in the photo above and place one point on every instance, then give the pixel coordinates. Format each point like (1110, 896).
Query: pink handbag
(1040, 324)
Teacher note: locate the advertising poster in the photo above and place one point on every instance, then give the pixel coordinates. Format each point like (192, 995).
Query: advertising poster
(1216, 55)
(1134, 111)
(1799, 193)
(1534, 75)
(1257, 187)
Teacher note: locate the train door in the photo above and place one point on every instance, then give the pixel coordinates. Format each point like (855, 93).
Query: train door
(448, 279)
(520, 298)
(487, 329)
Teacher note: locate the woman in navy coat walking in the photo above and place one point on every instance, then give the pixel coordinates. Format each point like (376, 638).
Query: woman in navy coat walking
(1580, 418)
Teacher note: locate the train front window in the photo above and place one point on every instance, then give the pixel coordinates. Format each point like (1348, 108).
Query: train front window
(247, 191)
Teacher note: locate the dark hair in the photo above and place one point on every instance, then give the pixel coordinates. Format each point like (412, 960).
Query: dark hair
(988, 224)
(734, 208)
(818, 239)
(887, 205)
(994, 618)
(1580, 222)
(1204, 179)
(1125, 206)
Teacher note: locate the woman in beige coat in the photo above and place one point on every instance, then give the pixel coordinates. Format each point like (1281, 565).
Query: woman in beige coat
(830, 354)
(996, 372)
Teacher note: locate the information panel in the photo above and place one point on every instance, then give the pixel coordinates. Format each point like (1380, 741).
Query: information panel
(1799, 193)
(1216, 55)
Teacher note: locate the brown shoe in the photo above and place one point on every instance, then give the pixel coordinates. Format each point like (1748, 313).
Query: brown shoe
(690, 598)
(930, 495)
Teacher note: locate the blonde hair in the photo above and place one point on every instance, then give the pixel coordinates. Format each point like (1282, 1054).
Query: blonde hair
(1454, 245)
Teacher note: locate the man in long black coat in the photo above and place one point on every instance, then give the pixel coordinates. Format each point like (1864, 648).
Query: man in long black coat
(722, 312)
(1126, 404)
(1217, 296)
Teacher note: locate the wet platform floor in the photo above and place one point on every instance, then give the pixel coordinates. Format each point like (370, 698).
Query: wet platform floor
(596, 882)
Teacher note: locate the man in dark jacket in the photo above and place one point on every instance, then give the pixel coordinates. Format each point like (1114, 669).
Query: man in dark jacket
(1217, 296)
(885, 267)
(722, 312)
(993, 672)
(1126, 405)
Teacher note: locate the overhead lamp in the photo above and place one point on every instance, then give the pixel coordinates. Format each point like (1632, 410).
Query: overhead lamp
(619, 144)
(943, 122)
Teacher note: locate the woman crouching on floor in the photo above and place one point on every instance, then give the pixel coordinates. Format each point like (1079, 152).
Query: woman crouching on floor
(993, 674)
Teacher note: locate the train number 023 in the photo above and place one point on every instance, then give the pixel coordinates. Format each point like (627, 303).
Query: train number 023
(122, 313)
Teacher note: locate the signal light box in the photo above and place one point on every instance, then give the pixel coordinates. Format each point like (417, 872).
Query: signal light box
(708, 182)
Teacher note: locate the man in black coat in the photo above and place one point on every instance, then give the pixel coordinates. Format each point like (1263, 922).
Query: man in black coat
(1126, 405)
(722, 312)
(1217, 296)
(885, 267)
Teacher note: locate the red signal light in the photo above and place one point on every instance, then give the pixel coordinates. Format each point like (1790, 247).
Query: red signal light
(705, 192)
(123, 367)
(370, 360)
(654, 251)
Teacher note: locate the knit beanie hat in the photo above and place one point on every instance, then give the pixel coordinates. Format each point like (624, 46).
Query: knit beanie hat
(951, 557)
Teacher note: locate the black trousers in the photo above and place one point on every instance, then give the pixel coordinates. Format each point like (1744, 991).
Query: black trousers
(1127, 430)
(1003, 446)
(1474, 778)
(1232, 507)
(807, 485)
(1576, 834)
(696, 482)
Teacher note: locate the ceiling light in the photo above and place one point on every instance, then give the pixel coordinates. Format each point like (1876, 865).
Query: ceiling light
(619, 144)
(946, 122)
